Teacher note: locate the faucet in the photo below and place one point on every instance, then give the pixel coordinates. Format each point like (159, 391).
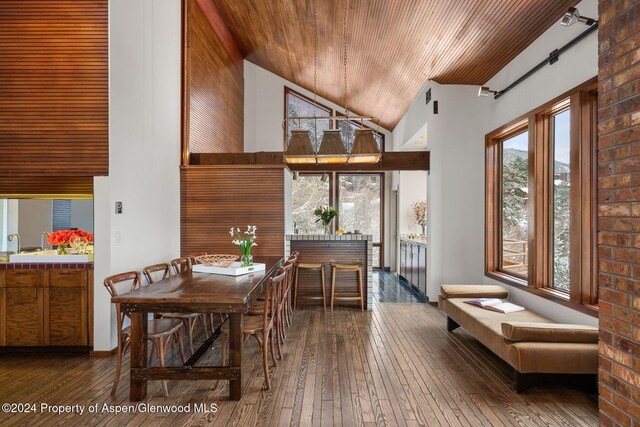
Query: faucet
(17, 236)
(44, 235)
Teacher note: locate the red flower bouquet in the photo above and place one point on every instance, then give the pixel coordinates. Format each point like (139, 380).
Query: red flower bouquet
(65, 238)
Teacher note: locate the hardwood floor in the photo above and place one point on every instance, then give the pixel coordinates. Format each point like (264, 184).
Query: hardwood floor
(395, 365)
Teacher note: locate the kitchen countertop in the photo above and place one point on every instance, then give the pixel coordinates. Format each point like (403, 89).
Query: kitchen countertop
(329, 237)
(45, 266)
(417, 241)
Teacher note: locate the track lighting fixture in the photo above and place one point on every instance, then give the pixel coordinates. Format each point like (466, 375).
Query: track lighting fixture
(573, 15)
(485, 91)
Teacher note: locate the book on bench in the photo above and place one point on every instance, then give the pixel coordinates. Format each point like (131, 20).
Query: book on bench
(495, 304)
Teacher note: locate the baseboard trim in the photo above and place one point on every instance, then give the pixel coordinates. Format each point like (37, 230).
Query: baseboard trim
(103, 353)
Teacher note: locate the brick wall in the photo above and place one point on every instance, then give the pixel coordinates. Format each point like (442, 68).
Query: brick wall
(619, 211)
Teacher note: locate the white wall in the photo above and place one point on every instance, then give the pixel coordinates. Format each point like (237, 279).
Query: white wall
(455, 229)
(35, 216)
(82, 215)
(144, 149)
(412, 188)
(4, 224)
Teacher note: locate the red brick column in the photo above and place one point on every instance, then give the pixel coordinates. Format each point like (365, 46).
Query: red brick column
(619, 211)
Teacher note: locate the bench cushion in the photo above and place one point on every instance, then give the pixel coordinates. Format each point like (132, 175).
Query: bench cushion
(473, 291)
(525, 357)
(549, 332)
(486, 325)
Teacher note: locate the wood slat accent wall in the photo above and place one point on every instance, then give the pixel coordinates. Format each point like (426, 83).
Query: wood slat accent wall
(213, 101)
(53, 88)
(62, 187)
(213, 199)
(327, 252)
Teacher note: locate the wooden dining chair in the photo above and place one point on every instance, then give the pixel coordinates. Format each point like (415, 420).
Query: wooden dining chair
(261, 327)
(293, 259)
(189, 319)
(182, 265)
(160, 332)
(257, 308)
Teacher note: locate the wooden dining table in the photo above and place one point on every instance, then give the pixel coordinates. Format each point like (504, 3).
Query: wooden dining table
(192, 292)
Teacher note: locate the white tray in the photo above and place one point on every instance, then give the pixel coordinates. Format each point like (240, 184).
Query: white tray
(235, 269)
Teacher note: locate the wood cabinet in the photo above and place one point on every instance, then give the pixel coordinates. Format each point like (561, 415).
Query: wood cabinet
(45, 307)
(413, 264)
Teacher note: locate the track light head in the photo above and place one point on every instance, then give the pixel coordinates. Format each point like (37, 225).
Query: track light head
(485, 91)
(572, 15)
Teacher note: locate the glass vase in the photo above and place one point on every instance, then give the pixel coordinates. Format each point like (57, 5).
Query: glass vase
(424, 230)
(327, 228)
(62, 249)
(246, 260)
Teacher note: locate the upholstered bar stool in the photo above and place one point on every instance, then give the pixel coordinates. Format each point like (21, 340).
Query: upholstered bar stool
(309, 266)
(346, 296)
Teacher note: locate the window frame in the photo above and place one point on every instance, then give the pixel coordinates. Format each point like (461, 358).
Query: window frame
(334, 198)
(582, 295)
(287, 91)
(336, 177)
(496, 229)
(331, 112)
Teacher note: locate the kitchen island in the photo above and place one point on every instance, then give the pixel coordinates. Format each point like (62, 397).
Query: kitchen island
(327, 248)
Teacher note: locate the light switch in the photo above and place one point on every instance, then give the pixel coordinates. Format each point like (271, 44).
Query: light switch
(116, 236)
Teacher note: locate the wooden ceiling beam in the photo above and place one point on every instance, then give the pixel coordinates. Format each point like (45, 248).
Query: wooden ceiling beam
(391, 161)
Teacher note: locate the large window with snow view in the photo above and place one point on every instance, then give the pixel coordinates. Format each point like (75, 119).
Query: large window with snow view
(540, 200)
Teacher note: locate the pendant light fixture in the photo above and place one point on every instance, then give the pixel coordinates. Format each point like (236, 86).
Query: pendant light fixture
(332, 148)
(365, 148)
(300, 148)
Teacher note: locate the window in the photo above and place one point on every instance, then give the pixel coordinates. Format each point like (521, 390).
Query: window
(360, 207)
(540, 200)
(561, 188)
(358, 198)
(61, 213)
(515, 166)
(298, 105)
(308, 192)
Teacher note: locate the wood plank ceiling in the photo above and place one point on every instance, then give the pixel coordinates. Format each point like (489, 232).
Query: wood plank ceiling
(394, 47)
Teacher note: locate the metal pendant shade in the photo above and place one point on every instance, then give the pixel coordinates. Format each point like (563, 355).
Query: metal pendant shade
(300, 149)
(332, 148)
(365, 148)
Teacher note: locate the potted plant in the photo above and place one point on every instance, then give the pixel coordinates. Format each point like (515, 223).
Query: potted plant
(325, 215)
(245, 240)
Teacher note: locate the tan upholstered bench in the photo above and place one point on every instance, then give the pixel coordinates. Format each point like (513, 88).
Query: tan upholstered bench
(529, 342)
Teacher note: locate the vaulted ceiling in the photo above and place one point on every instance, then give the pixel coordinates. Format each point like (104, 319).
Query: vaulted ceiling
(393, 46)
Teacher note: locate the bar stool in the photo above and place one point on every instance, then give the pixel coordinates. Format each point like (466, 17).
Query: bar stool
(310, 266)
(346, 296)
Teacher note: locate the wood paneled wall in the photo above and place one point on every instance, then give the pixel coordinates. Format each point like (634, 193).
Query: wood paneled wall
(215, 198)
(74, 187)
(53, 88)
(213, 98)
